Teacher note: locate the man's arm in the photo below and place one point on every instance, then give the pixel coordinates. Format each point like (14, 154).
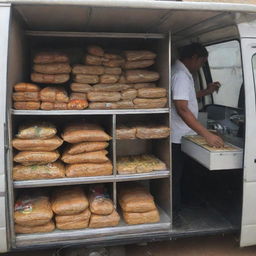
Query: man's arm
(212, 87)
(188, 117)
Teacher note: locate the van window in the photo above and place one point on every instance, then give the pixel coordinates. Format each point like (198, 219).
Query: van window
(225, 67)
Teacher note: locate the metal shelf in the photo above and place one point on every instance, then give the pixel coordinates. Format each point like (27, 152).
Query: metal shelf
(89, 112)
(62, 181)
(82, 235)
(143, 176)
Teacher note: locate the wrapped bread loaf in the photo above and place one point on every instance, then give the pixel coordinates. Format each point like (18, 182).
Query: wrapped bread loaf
(49, 78)
(36, 172)
(152, 131)
(110, 87)
(99, 199)
(139, 55)
(144, 85)
(125, 104)
(25, 96)
(89, 169)
(88, 70)
(88, 157)
(86, 79)
(129, 94)
(138, 64)
(112, 56)
(101, 221)
(77, 104)
(124, 165)
(54, 106)
(135, 199)
(152, 92)
(37, 144)
(54, 68)
(113, 63)
(93, 60)
(113, 71)
(95, 50)
(141, 76)
(54, 94)
(150, 103)
(50, 57)
(48, 227)
(78, 87)
(35, 158)
(36, 130)
(69, 201)
(103, 105)
(32, 210)
(26, 105)
(82, 132)
(78, 96)
(124, 132)
(76, 221)
(83, 147)
(26, 87)
(104, 96)
(135, 218)
(109, 79)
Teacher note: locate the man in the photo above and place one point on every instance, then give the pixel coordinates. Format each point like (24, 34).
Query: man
(185, 109)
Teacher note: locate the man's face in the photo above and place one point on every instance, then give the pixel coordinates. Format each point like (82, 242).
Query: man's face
(197, 62)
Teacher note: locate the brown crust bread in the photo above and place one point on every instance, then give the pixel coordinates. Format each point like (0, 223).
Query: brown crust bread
(49, 79)
(54, 68)
(141, 76)
(113, 71)
(152, 92)
(78, 96)
(50, 57)
(54, 106)
(138, 64)
(26, 105)
(82, 216)
(110, 87)
(93, 60)
(150, 103)
(54, 94)
(109, 79)
(25, 96)
(88, 70)
(124, 132)
(95, 50)
(129, 94)
(86, 79)
(101, 221)
(139, 55)
(104, 96)
(49, 227)
(26, 87)
(135, 218)
(77, 104)
(78, 87)
(83, 147)
(152, 131)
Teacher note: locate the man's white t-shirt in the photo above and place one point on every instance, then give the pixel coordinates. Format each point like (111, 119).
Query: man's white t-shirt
(183, 88)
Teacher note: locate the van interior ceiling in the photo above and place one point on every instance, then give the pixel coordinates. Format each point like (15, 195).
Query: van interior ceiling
(212, 199)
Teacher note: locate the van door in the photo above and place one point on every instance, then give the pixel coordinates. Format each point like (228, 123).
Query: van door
(248, 226)
(4, 31)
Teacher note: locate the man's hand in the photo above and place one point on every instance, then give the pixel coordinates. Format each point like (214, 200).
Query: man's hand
(213, 87)
(214, 140)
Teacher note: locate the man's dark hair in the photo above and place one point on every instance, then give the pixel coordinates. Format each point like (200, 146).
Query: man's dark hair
(186, 52)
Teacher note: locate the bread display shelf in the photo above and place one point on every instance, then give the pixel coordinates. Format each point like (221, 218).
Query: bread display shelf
(227, 158)
(90, 180)
(58, 236)
(90, 112)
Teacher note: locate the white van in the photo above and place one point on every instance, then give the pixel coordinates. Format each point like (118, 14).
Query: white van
(220, 187)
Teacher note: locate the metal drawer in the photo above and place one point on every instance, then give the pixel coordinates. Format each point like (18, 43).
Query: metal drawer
(213, 160)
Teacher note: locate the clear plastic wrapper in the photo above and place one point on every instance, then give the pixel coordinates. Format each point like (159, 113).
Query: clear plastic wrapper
(104, 96)
(88, 70)
(89, 169)
(37, 172)
(109, 79)
(54, 94)
(102, 221)
(124, 132)
(26, 105)
(49, 78)
(26, 87)
(100, 202)
(36, 130)
(35, 158)
(152, 131)
(86, 79)
(152, 92)
(32, 210)
(79, 87)
(50, 57)
(83, 147)
(150, 103)
(48, 227)
(141, 76)
(37, 144)
(69, 201)
(25, 96)
(88, 157)
(135, 218)
(139, 55)
(52, 68)
(138, 64)
(83, 132)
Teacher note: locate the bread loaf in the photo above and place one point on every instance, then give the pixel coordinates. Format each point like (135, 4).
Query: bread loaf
(95, 50)
(109, 79)
(141, 76)
(112, 56)
(152, 92)
(103, 105)
(26, 87)
(78, 104)
(37, 172)
(104, 96)
(69, 201)
(101, 221)
(54, 106)
(82, 132)
(93, 60)
(150, 103)
(78, 96)
(83, 147)
(138, 64)
(152, 131)
(50, 57)
(54, 68)
(48, 227)
(144, 85)
(139, 55)
(122, 104)
(135, 218)
(129, 94)
(113, 71)
(86, 79)
(26, 105)
(124, 132)
(89, 169)
(25, 96)
(124, 165)
(54, 94)
(49, 78)
(88, 70)
(114, 63)
(78, 87)
(110, 87)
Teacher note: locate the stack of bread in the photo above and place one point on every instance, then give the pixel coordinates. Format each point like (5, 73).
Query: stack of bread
(102, 208)
(33, 214)
(86, 155)
(37, 157)
(139, 164)
(50, 68)
(70, 205)
(141, 131)
(137, 204)
(26, 96)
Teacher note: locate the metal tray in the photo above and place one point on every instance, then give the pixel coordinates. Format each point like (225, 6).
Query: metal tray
(213, 160)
